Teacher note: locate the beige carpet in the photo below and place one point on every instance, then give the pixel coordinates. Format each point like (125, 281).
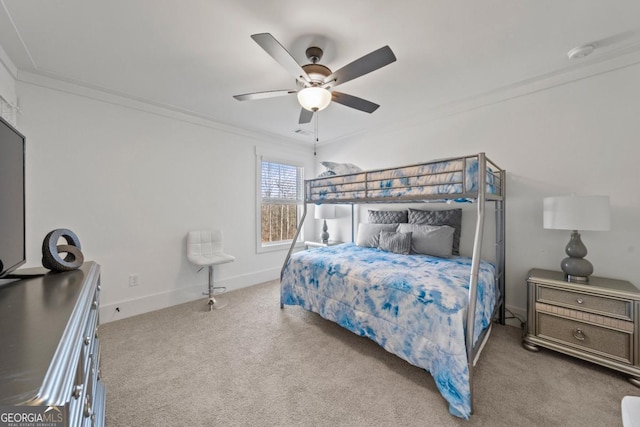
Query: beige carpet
(253, 364)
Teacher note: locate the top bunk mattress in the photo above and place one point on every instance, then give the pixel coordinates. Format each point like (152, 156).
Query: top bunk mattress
(455, 178)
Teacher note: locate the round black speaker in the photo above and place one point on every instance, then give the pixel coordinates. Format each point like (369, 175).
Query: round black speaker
(51, 251)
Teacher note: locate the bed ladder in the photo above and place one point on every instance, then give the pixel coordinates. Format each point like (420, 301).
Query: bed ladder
(472, 352)
(295, 239)
(500, 211)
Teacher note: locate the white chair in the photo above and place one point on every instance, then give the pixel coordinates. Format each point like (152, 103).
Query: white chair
(204, 249)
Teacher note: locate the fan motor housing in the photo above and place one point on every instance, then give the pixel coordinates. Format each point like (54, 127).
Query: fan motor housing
(317, 72)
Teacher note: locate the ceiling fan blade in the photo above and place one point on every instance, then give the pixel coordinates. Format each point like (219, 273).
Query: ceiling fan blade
(364, 65)
(354, 102)
(305, 116)
(263, 95)
(281, 55)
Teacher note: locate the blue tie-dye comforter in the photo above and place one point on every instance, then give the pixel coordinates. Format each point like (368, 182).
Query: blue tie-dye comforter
(414, 306)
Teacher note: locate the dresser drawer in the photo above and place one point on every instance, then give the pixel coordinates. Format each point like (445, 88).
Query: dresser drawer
(585, 336)
(594, 303)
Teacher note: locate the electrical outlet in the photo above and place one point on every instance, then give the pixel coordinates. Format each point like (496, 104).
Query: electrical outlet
(134, 280)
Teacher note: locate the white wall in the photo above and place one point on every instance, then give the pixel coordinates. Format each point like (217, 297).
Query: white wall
(131, 183)
(579, 137)
(8, 98)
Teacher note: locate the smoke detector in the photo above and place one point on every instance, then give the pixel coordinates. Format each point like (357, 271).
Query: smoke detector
(581, 51)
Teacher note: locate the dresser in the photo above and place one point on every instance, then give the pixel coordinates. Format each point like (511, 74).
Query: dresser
(596, 321)
(50, 353)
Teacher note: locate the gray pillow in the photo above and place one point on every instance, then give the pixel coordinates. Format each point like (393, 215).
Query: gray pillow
(434, 240)
(369, 234)
(399, 243)
(387, 217)
(450, 217)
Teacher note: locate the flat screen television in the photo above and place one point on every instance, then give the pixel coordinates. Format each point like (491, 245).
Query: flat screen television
(12, 199)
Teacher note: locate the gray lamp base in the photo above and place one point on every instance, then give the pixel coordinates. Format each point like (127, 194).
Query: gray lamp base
(576, 279)
(575, 267)
(324, 236)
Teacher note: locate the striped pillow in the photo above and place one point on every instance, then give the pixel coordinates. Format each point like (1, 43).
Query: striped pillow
(399, 243)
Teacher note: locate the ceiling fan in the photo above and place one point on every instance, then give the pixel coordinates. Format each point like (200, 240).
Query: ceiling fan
(315, 81)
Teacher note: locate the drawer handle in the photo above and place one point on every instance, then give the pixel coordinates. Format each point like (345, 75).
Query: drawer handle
(579, 300)
(578, 334)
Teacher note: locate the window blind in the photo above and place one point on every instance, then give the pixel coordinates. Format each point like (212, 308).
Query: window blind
(281, 183)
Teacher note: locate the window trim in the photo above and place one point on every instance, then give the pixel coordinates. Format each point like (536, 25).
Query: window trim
(276, 157)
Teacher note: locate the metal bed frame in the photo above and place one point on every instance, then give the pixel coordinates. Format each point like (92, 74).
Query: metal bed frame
(486, 168)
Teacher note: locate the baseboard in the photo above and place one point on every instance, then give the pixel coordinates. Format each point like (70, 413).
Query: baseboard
(133, 307)
(520, 313)
(136, 306)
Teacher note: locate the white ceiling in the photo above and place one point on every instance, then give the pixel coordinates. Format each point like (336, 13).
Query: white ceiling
(194, 55)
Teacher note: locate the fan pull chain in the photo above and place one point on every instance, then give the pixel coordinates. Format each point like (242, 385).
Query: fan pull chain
(315, 142)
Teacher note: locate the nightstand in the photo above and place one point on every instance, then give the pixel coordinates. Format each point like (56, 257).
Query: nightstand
(313, 244)
(598, 321)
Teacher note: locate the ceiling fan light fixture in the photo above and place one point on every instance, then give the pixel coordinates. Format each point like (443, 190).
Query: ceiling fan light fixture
(314, 98)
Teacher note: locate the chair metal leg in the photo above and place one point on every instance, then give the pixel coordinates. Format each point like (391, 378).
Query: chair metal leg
(215, 304)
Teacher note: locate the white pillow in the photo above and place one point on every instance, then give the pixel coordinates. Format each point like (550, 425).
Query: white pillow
(369, 234)
(434, 240)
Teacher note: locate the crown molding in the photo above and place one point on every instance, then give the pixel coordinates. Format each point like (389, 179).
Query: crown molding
(582, 69)
(55, 82)
(599, 65)
(8, 63)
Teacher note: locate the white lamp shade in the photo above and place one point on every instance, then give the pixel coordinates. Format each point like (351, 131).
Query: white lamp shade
(314, 98)
(590, 213)
(325, 212)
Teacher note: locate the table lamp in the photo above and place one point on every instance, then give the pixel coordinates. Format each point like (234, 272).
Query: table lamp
(325, 212)
(587, 213)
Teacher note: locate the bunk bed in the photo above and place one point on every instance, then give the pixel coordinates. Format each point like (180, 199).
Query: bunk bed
(414, 306)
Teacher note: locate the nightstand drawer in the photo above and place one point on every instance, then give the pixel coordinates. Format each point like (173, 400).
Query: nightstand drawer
(604, 341)
(587, 302)
(597, 321)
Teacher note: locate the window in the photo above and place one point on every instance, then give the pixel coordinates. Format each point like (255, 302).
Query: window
(279, 202)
